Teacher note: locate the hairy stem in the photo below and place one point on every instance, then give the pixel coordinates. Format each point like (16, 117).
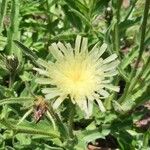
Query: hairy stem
(2, 13)
(13, 29)
(61, 127)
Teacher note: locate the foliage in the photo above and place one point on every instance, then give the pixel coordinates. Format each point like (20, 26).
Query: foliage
(27, 29)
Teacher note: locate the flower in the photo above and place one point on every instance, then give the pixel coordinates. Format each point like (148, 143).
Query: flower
(78, 74)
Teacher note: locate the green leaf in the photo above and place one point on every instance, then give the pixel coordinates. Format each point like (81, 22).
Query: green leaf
(2, 42)
(82, 17)
(2, 13)
(65, 36)
(72, 17)
(129, 58)
(16, 100)
(43, 128)
(23, 140)
(28, 52)
(91, 135)
(78, 5)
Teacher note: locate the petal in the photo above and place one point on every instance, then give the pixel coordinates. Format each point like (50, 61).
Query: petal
(90, 106)
(82, 102)
(94, 50)
(51, 95)
(55, 51)
(102, 49)
(101, 106)
(110, 73)
(77, 44)
(110, 58)
(44, 81)
(111, 87)
(104, 93)
(111, 65)
(57, 102)
(50, 90)
(63, 48)
(44, 63)
(106, 81)
(84, 46)
(42, 72)
(96, 53)
(70, 49)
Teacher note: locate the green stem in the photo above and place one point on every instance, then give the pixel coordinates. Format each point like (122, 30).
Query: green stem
(129, 87)
(49, 4)
(2, 13)
(137, 78)
(116, 45)
(116, 29)
(11, 79)
(71, 141)
(13, 30)
(146, 138)
(143, 31)
(61, 127)
(71, 118)
(66, 134)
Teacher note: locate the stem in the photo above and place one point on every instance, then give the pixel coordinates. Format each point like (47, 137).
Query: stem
(71, 118)
(134, 82)
(143, 31)
(144, 74)
(13, 30)
(48, 6)
(61, 127)
(146, 139)
(11, 79)
(116, 45)
(67, 135)
(71, 140)
(116, 29)
(2, 13)
(129, 87)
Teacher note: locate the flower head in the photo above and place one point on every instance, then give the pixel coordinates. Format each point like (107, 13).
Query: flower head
(82, 75)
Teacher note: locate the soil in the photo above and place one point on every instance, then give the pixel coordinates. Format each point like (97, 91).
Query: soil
(109, 143)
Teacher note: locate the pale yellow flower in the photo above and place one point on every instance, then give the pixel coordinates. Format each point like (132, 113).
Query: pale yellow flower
(78, 74)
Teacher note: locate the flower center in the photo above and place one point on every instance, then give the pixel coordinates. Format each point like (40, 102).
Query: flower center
(76, 76)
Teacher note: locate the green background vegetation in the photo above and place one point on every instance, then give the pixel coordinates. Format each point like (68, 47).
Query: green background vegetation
(123, 25)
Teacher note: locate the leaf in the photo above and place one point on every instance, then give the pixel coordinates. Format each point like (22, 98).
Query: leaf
(129, 58)
(16, 100)
(43, 128)
(2, 12)
(123, 74)
(2, 42)
(65, 36)
(131, 99)
(100, 5)
(28, 52)
(72, 17)
(127, 24)
(23, 140)
(77, 5)
(81, 16)
(91, 135)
